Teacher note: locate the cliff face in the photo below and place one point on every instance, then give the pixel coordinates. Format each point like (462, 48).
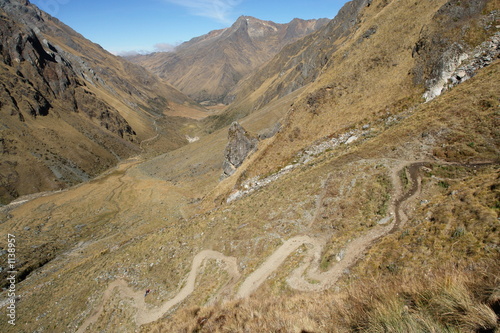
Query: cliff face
(69, 109)
(207, 67)
(43, 72)
(445, 44)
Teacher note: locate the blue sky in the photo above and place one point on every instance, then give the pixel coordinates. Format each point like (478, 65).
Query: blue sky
(122, 26)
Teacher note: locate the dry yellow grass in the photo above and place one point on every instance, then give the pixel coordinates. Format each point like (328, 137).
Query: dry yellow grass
(145, 220)
(441, 301)
(401, 284)
(368, 80)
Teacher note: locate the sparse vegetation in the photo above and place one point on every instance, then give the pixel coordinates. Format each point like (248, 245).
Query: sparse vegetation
(451, 301)
(143, 222)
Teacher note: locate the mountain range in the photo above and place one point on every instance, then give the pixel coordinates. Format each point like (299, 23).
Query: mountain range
(207, 67)
(350, 184)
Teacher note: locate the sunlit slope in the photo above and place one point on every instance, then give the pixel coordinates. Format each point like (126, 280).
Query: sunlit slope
(377, 73)
(207, 67)
(369, 210)
(146, 233)
(70, 109)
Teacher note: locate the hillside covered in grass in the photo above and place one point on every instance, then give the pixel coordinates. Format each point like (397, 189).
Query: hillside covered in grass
(370, 202)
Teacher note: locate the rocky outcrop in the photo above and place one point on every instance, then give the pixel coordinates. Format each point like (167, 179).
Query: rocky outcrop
(480, 57)
(451, 49)
(240, 145)
(463, 66)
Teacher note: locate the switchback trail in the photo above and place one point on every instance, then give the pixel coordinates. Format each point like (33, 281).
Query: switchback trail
(307, 277)
(144, 313)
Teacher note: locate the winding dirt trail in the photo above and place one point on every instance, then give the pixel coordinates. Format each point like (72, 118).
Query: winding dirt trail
(306, 277)
(151, 138)
(147, 314)
(254, 280)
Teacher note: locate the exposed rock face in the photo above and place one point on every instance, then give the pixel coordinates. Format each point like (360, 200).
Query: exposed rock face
(240, 145)
(68, 108)
(447, 51)
(473, 61)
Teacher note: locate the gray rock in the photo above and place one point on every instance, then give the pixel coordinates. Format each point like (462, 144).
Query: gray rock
(340, 255)
(240, 145)
(385, 220)
(351, 139)
(460, 68)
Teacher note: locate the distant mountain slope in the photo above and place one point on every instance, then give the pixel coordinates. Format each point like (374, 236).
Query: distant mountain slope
(295, 66)
(69, 109)
(207, 67)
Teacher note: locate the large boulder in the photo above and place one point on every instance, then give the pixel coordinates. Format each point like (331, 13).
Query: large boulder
(240, 145)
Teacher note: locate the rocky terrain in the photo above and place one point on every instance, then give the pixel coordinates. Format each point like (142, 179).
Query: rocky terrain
(361, 196)
(207, 67)
(60, 91)
(240, 145)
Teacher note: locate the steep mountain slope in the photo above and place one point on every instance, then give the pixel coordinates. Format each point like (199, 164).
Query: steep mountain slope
(372, 208)
(423, 233)
(301, 63)
(296, 66)
(69, 108)
(374, 72)
(207, 67)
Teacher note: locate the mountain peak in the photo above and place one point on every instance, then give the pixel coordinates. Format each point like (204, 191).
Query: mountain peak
(246, 17)
(207, 67)
(252, 22)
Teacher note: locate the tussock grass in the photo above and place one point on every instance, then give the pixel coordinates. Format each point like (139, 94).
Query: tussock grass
(448, 300)
(437, 275)
(453, 303)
